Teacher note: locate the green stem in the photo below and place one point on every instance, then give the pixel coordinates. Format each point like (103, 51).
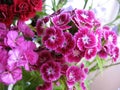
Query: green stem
(86, 1)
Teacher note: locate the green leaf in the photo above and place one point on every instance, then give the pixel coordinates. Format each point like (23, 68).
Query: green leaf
(1, 86)
(77, 86)
(100, 63)
(62, 85)
(29, 81)
(85, 4)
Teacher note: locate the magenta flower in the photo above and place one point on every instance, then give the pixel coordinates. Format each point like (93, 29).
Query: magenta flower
(110, 37)
(25, 29)
(45, 86)
(44, 56)
(40, 26)
(3, 59)
(68, 45)
(53, 38)
(50, 71)
(3, 33)
(11, 38)
(31, 56)
(75, 56)
(84, 18)
(15, 57)
(115, 53)
(11, 76)
(61, 20)
(73, 75)
(90, 53)
(85, 39)
(103, 52)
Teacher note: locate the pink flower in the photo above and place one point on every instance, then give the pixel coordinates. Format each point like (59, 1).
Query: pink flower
(15, 56)
(3, 59)
(40, 26)
(68, 45)
(73, 75)
(44, 56)
(103, 52)
(85, 39)
(11, 76)
(11, 38)
(53, 38)
(84, 18)
(3, 33)
(90, 53)
(75, 56)
(115, 53)
(45, 86)
(50, 71)
(27, 32)
(31, 56)
(61, 20)
(110, 37)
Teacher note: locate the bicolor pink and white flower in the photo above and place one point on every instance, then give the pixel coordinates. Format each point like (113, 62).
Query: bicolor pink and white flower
(68, 44)
(50, 71)
(61, 20)
(85, 39)
(53, 38)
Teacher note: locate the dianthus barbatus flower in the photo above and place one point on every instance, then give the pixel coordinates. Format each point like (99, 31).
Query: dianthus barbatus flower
(50, 71)
(73, 75)
(53, 38)
(74, 56)
(61, 20)
(11, 76)
(84, 18)
(68, 44)
(110, 37)
(90, 53)
(44, 56)
(85, 39)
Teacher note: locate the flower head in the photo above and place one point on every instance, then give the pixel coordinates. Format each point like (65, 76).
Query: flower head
(53, 38)
(50, 71)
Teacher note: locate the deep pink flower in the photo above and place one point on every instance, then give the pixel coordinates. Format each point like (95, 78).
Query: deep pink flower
(84, 18)
(61, 20)
(115, 53)
(16, 58)
(82, 84)
(40, 27)
(3, 59)
(68, 45)
(103, 52)
(44, 56)
(75, 56)
(85, 39)
(11, 38)
(90, 53)
(50, 71)
(31, 56)
(53, 38)
(11, 76)
(45, 86)
(25, 29)
(73, 75)
(110, 37)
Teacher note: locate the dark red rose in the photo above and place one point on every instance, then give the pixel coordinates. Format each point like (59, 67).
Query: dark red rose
(6, 14)
(36, 4)
(23, 9)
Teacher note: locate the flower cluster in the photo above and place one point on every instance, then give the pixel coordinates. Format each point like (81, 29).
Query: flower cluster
(65, 38)
(22, 9)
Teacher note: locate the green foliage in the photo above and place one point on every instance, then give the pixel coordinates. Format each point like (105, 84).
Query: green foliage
(100, 63)
(29, 81)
